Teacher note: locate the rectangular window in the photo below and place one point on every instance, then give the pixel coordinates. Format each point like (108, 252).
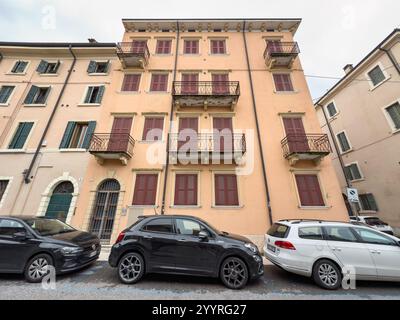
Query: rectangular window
(46, 67)
(163, 47)
(343, 142)
(20, 135)
(218, 46)
(5, 93)
(3, 188)
(376, 75)
(98, 67)
(226, 191)
(190, 83)
(352, 172)
(77, 135)
(368, 202)
(220, 83)
(283, 82)
(131, 83)
(139, 46)
(191, 47)
(185, 190)
(159, 82)
(19, 67)
(37, 95)
(153, 129)
(309, 190)
(311, 233)
(331, 108)
(145, 189)
(394, 114)
(94, 95)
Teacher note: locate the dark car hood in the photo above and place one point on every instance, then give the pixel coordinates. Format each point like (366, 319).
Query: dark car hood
(235, 237)
(76, 237)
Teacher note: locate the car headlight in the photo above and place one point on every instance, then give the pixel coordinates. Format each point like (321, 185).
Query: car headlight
(71, 250)
(251, 247)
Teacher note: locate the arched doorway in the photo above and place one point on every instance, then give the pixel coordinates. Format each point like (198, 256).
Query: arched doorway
(104, 209)
(60, 201)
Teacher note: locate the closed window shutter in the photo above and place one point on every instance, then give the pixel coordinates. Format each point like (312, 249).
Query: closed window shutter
(283, 82)
(163, 46)
(42, 66)
(92, 67)
(138, 46)
(376, 75)
(16, 66)
(21, 135)
(347, 173)
(226, 193)
(99, 97)
(214, 47)
(220, 83)
(309, 190)
(89, 134)
(331, 109)
(145, 189)
(159, 82)
(57, 66)
(191, 46)
(3, 187)
(185, 190)
(46, 95)
(344, 144)
(153, 128)
(5, 93)
(217, 46)
(131, 82)
(394, 113)
(67, 135)
(31, 95)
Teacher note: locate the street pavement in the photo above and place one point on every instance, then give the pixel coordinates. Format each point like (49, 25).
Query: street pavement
(99, 281)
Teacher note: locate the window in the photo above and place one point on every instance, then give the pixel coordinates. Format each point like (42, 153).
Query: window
(191, 47)
(309, 190)
(162, 225)
(131, 83)
(220, 83)
(218, 46)
(283, 82)
(77, 135)
(48, 67)
(19, 67)
(153, 129)
(3, 188)
(331, 108)
(226, 192)
(376, 75)
(368, 202)
(139, 46)
(190, 227)
(163, 47)
(343, 141)
(394, 114)
(98, 67)
(311, 233)
(5, 93)
(343, 234)
(145, 189)
(37, 95)
(278, 231)
(369, 236)
(20, 136)
(9, 227)
(185, 190)
(94, 95)
(159, 82)
(352, 172)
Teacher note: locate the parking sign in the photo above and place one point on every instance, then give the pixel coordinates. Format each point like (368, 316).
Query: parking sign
(352, 195)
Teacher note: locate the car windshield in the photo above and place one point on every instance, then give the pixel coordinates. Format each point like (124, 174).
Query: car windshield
(49, 227)
(374, 222)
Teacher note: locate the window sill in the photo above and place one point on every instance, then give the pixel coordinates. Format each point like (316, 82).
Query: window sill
(162, 54)
(191, 54)
(314, 208)
(158, 92)
(129, 92)
(13, 151)
(72, 150)
(286, 92)
(48, 74)
(98, 74)
(227, 207)
(219, 54)
(143, 207)
(357, 180)
(4, 104)
(89, 105)
(185, 207)
(368, 212)
(34, 105)
(346, 152)
(379, 84)
(395, 131)
(16, 74)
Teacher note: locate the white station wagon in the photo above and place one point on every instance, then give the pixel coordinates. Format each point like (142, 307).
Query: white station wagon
(321, 249)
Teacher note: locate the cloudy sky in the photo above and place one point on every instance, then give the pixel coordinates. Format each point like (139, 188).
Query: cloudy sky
(333, 33)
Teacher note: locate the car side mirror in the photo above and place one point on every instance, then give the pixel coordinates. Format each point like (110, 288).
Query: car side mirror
(203, 235)
(20, 236)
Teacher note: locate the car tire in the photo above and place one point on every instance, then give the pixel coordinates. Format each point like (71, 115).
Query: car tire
(234, 273)
(327, 275)
(37, 268)
(131, 268)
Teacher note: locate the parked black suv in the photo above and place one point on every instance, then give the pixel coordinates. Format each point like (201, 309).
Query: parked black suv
(184, 245)
(29, 245)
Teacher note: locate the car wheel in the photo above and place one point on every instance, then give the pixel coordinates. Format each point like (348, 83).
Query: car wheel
(37, 268)
(131, 268)
(234, 273)
(327, 275)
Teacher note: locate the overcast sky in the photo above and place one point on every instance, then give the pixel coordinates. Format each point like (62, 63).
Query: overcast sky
(332, 34)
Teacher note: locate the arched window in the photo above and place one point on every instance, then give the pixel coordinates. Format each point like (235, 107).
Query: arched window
(60, 201)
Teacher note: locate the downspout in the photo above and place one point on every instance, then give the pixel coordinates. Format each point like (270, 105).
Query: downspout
(170, 122)
(27, 172)
(392, 59)
(258, 128)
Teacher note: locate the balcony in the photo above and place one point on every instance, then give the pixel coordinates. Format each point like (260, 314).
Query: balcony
(207, 148)
(281, 54)
(205, 94)
(131, 56)
(305, 147)
(115, 146)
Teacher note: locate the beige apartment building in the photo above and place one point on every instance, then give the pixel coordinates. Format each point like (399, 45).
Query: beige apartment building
(361, 115)
(211, 118)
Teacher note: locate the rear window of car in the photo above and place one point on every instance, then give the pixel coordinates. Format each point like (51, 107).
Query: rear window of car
(311, 233)
(374, 222)
(162, 225)
(278, 230)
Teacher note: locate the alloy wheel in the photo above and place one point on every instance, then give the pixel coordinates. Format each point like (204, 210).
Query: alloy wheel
(130, 268)
(234, 273)
(38, 268)
(328, 275)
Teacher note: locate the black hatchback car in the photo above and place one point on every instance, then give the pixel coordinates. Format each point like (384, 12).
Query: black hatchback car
(29, 245)
(184, 245)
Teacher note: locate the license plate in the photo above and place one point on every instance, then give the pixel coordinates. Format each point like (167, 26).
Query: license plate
(92, 254)
(271, 248)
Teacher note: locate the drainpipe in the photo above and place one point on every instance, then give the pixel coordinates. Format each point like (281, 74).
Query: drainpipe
(170, 122)
(392, 59)
(27, 172)
(258, 128)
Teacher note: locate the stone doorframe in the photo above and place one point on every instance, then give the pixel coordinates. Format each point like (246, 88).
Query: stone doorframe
(46, 195)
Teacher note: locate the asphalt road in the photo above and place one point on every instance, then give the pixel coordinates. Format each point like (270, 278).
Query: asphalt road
(99, 281)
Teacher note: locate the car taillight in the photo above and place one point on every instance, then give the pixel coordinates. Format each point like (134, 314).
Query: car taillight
(120, 237)
(285, 245)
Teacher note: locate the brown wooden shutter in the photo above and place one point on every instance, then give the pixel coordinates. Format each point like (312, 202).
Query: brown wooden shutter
(145, 190)
(295, 134)
(283, 82)
(191, 47)
(138, 46)
(223, 131)
(159, 82)
(190, 83)
(220, 83)
(131, 82)
(120, 134)
(151, 123)
(188, 123)
(226, 193)
(185, 190)
(309, 190)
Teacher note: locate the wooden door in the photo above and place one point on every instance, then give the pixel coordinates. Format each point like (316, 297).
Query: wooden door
(188, 134)
(120, 134)
(223, 134)
(296, 135)
(190, 83)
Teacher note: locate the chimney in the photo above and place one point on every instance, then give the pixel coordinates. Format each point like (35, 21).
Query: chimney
(348, 68)
(91, 40)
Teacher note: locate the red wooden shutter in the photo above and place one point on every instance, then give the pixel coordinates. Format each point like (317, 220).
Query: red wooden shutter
(131, 82)
(120, 134)
(159, 82)
(138, 46)
(283, 82)
(226, 193)
(153, 128)
(191, 47)
(163, 47)
(145, 189)
(223, 131)
(220, 83)
(309, 190)
(190, 83)
(218, 46)
(189, 138)
(185, 190)
(295, 134)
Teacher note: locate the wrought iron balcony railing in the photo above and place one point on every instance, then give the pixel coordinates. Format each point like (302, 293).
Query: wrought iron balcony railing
(112, 143)
(310, 145)
(206, 88)
(281, 54)
(131, 54)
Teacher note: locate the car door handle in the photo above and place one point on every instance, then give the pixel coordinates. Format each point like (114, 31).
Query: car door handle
(148, 237)
(337, 249)
(375, 252)
(182, 240)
